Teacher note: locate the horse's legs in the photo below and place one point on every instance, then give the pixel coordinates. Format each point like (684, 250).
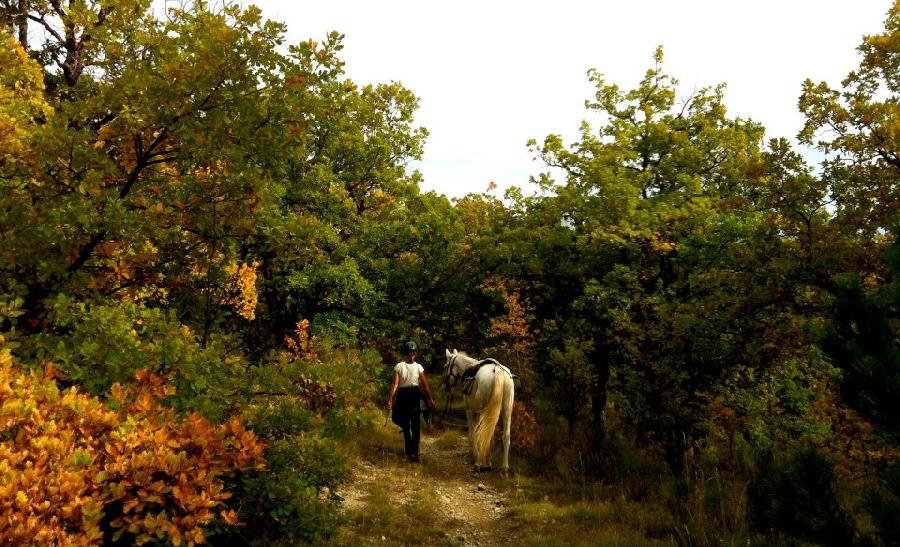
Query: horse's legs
(476, 460)
(508, 397)
(506, 436)
(472, 418)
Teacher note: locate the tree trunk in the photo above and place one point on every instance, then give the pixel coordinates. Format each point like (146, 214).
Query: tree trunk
(22, 22)
(598, 400)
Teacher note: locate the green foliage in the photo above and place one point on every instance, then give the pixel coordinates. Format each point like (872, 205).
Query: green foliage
(861, 133)
(642, 217)
(884, 505)
(783, 406)
(569, 374)
(178, 194)
(99, 345)
(798, 496)
(291, 501)
(289, 396)
(862, 339)
(299, 405)
(682, 274)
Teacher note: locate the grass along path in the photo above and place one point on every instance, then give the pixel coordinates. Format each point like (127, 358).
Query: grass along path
(438, 501)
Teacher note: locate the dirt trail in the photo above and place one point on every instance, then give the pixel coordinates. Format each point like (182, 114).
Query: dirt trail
(471, 507)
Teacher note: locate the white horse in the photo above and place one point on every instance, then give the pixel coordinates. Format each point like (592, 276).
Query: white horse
(491, 392)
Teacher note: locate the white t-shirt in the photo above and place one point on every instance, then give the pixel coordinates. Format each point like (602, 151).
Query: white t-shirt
(409, 373)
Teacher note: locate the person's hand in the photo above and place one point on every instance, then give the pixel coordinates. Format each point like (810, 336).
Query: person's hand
(390, 404)
(431, 404)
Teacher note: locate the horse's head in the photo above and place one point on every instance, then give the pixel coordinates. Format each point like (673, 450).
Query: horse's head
(451, 372)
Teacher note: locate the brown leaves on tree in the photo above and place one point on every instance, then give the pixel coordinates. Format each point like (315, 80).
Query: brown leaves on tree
(74, 470)
(512, 329)
(300, 344)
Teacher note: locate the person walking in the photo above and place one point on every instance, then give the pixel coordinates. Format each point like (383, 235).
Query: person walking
(409, 382)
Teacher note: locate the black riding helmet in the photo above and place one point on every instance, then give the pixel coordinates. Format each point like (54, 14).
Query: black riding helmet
(410, 347)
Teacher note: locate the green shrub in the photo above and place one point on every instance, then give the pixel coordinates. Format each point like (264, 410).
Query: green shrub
(884, 506)
(102, 344)
(292, 501)
(797, 496)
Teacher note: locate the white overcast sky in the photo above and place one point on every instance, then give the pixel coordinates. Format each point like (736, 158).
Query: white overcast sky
(490, 74)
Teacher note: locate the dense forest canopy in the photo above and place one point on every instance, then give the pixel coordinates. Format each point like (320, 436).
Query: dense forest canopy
(211, 242)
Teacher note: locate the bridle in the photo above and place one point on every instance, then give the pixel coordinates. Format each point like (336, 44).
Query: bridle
(450, 374)
(448, 386)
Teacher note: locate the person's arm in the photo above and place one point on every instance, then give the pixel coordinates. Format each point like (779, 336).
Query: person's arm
(396, 383)
(423, 381)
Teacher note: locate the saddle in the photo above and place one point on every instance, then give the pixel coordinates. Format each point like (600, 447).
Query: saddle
(468, 377)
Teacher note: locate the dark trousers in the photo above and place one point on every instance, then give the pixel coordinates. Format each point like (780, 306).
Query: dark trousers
(407, 407)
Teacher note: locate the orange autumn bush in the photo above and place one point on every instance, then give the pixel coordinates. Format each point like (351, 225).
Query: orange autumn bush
(74, 470)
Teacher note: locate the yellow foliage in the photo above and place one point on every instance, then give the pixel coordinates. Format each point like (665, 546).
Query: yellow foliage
(21, 100)
(240, 289)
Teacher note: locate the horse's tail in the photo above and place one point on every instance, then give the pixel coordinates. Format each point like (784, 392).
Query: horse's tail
(487, 421)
